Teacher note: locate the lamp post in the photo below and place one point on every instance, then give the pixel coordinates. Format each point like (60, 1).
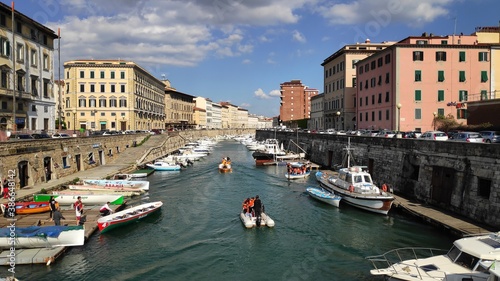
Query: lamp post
(399, 119)
(74, 121)
(338, 125)
(434, 120)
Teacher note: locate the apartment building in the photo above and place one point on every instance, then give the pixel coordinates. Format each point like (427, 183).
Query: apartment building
(180, 109)
(216, 115)
(340, 83)
(316, 122)
(229, 115)
(405, 86)
(26, 73)
(295, 101)
(103, 95)
(200, 113)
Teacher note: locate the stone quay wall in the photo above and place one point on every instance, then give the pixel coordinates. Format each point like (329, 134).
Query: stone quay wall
(463, 178)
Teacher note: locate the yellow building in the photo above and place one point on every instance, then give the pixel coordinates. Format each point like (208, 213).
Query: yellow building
(491, 35)
(112, 95)
(200, 113)
(179, 108)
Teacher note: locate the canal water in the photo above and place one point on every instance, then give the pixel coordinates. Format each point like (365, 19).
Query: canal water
(198, 234)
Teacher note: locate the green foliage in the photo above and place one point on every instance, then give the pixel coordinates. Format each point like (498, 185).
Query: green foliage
(448, 123)
(43, 191)
(63, 125)
(76, 180)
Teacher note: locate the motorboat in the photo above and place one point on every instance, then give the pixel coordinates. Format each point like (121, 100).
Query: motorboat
(127, 216)
(297, 170)
(469, 258)
(164, 166)
(250, 221)
(225, 168)
(324, 196)
(271, 150)
(144, 184)
(42, 236)
(87, 199)
(355, 186)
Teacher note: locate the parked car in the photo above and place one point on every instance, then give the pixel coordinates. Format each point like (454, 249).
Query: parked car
(467, 137)
(386, 134)
(491, 136)
(60, 135)
(20, 137)
(330, 131)
(434, 135)
(40, 136)
(409, 135)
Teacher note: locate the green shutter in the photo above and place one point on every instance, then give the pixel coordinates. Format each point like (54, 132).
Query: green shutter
(484, 95)
(461, 77)
(461, 56)
(440, 95)
(460, 96)
(418, 75)
(484, 76)
(441, 75)
(418, 95)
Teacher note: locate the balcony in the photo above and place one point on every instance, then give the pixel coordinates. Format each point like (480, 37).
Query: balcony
(19, 94)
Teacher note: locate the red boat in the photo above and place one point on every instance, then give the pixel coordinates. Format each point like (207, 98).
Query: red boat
(24, 208)
(127, 216)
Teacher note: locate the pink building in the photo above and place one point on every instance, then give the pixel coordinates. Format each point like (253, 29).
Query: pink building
(426, 76)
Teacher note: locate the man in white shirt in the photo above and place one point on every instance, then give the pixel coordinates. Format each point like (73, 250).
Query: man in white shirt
(105, 210)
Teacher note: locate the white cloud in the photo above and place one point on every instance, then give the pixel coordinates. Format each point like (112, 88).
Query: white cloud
(260, 94)
(297, 36)
(383, 13)
(275, 93)
(246, 61)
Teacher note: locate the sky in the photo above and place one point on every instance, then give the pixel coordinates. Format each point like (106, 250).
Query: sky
(240, 51)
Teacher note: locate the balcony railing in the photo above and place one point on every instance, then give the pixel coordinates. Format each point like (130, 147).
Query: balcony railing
(19, 94)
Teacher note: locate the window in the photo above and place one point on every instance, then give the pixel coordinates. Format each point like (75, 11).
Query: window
(386, 96)
(123, 102)
(440, 75)
(112, 102)
(461, 56)
(373, 99)
(112, 75)
(112, 88)
(360, 116)
(82, 88)
(387, 59)
(418, 75)
(92, 103)
(484, 95)
(380, 80)
(46, 88)
(380, 98)
(354, 63)
(444, 42)
(103, 88)
(92, 88)
(122, 74)
(102, 75)
(361, 85)
(387, 114)
(421, 42)
(462, 95)
(354, 82)
(102, 102)
(440, 95)
(360, 70)
(20, 53)
(484, 187)
(82, 74)
(418, 95)
(33, 107)
(483, 56)
(418, 56)
(34, 90)
(45, 61)
(373, 65)
(418, 113)
(360, 102)
(122, 88)
(366, 100)
(372, 82)
(33, 58)
(440, 56)
(92, 74)
(367, 67)
(484, 76)
(461, 113)
(373, 116)
(461, 76)
(4, 47)
(387, 78)
(380, 62)
(82, 102)
(366, 116)
(379, 115)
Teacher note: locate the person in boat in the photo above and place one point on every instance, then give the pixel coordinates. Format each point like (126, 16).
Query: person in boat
(57, 216)
(250, 206)
(52, 205)
(257, 206)
(246, 205)
(105, 210)
(78, 209)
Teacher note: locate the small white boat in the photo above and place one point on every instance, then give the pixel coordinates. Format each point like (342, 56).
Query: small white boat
(250, 221)
(144, 185)
(110, 189)
(324, 196)
(42, 237)
(468, 259)
(130, 176)
(97, 192)
(297, 170)
(164, 166)
(87, 199)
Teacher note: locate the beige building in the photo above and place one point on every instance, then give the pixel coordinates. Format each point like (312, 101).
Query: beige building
(316, 122)
(179, 108)
(229, 118)
(242, 118)
(340, 83)
(112, 95)
(27, 83)
(200, 113)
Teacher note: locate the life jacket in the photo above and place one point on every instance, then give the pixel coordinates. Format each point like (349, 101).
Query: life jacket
(251, 202)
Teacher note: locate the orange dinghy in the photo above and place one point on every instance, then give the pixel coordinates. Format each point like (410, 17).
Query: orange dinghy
(24, 208)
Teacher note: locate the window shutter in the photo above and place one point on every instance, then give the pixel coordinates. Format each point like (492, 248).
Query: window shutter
(461, 77)
(440, 75)
(462, 56)
(484, 76)
(418, 95)
(484, 95)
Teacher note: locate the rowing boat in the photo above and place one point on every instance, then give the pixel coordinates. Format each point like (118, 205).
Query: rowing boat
(127, 216)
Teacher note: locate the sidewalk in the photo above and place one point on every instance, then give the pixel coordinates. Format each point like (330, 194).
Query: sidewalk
(121, 161)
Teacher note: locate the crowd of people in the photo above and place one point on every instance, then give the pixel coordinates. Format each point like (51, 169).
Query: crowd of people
(253, 207)
(296, 169)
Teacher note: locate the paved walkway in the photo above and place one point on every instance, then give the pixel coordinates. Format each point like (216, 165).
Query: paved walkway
(121, 161)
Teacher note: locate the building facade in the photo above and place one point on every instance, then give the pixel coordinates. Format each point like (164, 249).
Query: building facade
(316, 122)
(405, 86)
(27, 101)
(340, 83)
(295, 101)
(112, 95)
(200, 113)
(179, 109)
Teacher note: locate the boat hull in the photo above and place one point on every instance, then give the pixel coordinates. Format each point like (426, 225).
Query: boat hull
(297, 176)
(127, 216)
(164, 167)
(26, 208)
(225, 168)
(252, 222)
(144, 185)
(324, 196)
(87, 199)
(43, 237)
(105, 188)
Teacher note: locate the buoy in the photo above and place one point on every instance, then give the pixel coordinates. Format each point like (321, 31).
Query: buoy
(384, 187)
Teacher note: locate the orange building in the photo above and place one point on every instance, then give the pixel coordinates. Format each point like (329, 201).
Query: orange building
(295, 101)
(409, 83)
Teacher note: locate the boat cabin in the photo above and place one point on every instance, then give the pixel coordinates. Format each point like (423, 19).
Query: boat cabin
(355, 176)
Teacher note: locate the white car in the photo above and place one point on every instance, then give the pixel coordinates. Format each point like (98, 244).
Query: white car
(60, 135)
(434, 135)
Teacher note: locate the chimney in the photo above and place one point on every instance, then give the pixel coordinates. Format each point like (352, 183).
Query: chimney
(367, 41)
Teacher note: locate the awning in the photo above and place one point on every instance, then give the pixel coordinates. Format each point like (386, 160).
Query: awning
(102, 122)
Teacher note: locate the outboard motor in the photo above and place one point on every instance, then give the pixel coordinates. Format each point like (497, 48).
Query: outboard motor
(258, 221)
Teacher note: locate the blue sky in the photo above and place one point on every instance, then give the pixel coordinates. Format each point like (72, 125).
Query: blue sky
(240, 51)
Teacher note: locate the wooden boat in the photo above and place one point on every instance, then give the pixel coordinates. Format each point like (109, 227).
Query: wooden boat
(87, 199)
(164, 166)
(144, 185)
(104, 188)
(97, 192)
(250, 221)
(324, 196)
(42, 236)
(36, 207)
(127, 216)
(468, 259)
(225, 168)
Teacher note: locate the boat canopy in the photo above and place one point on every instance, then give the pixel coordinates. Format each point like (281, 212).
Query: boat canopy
(38, 231)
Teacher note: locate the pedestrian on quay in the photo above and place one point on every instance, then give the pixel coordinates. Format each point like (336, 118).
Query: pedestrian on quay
(105, 210)
(52, 204)
(57, 216)
(5, 188)
(78, 209)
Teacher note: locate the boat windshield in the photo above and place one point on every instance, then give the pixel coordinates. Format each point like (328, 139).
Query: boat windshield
(463, 259)
(368, 178)
(358, 179)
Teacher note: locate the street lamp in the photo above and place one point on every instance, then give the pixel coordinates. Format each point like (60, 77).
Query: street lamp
(338, 125)
(74, 121)
(399, 118)
(434, 120)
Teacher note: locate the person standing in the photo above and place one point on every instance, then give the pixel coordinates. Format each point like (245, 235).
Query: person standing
(5, 188)
(257, 206)
(57, 216)
(53, 207)
(105, 210)
(78, 210)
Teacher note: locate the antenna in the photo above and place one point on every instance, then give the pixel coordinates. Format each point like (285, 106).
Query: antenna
(454, 29)
(163, 76)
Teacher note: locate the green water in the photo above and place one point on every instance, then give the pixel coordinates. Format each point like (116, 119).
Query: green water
(198, 234)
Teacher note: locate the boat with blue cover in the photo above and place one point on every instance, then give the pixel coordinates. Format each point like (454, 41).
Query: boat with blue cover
(41, 236)
(324, 196)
